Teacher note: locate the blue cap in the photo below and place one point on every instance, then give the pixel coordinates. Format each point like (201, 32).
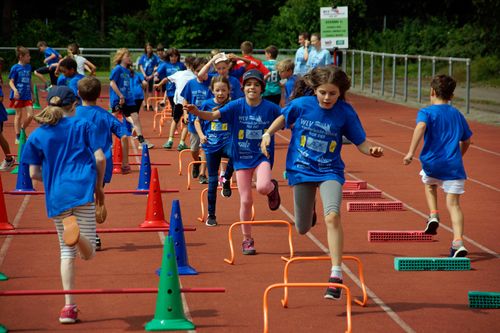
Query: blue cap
(66, 95)
(254, 74)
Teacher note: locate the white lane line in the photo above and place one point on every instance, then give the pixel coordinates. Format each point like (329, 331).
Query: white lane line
(418, 212)
(491, 187)
(393, 315)
(411, 128)
(15, 223)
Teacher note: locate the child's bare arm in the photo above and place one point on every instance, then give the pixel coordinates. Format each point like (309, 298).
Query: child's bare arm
(36, 172)
(14, 89)
(205, 115)
(197, 126)
(277, 124)
(100, 160)
(370, 150)
(464, 145)
(418, 134)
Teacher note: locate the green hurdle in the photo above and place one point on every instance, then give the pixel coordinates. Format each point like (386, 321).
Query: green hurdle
(484, 300)
(431, 264)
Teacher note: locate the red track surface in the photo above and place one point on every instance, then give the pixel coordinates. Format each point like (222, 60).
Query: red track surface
(398, 301)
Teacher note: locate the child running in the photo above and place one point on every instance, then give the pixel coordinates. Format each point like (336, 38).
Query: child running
(248, 118)
(52, 58)
(121, 98)
(65, 154)
(446, 139)
(20, 93)
(89, 89)
(215, 137)
(313, 159)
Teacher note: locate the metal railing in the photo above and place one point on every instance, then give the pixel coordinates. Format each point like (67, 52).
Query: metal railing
(407, 73)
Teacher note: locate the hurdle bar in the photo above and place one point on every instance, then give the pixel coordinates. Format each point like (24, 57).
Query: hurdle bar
(137, 163)
(374, 206)
(267, 222)
(52, 292)
(202, 194)
(105, 192)
(190, 166)
(431, 264)
(398, 236)
(180, 159)
(355, 185)
(100, 231)
(361, 194)
(484, 300)
(361, 302)
(308, 285)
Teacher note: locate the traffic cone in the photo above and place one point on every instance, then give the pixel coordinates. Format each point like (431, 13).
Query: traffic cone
(24, 182)
(169, 314)
(3, 329)
(4, 219)
(22, 141)
(145, 171)
(117, 156)
(11, 112)
(36, 106)
(154, 212)
(3, 277)
(176, 231)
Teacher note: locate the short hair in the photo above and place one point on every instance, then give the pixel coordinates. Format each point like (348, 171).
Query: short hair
(89, 88)
(305, 35)
(173, 52)
(200, 61)
(246, 47)
(68, 63)
(160, 47)
(272, 50)
(74, 48)
(285, 65)
(41, 43)
(444, 86)
(317, 35)
(21, 51)
(189, 61)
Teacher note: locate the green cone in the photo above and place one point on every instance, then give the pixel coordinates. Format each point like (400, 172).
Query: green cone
(22, 141)
(36, 106)
(3, 277)
(169, 314)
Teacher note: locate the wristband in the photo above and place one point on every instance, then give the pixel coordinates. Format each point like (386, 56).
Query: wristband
(266, 134)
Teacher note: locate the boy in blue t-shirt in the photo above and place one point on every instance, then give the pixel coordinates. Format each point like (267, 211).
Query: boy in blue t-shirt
(51, 60)
(70, 76)
(446, 139)
(285, 69)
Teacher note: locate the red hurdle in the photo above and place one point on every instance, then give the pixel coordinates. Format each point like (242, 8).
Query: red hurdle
(398, 236)
(374, 206)
(361, 194)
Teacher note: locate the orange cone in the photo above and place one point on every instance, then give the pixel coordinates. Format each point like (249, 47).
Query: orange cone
(155, 218)
(117, 156)
(4, 220)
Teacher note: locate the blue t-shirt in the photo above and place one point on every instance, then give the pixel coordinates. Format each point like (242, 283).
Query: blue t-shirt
(218, 133)
(235, 84)
(3, 112)
(290, 83)
(314, 150)
(106, 125)
(136, 83)
(247, 124)
(121, 76)
(441, 157)
(149, 63)
(318, 58)
(273, 82)
(300, 64)
(196, 93)
(21, 75)
(166, 69)
(48, 52)
(65, 152)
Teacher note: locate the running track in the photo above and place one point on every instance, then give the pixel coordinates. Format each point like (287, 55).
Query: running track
(398, 301)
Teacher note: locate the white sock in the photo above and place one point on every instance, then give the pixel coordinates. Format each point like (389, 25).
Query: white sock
(336, 272)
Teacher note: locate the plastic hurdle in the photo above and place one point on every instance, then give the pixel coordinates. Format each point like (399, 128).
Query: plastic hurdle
(398, 236)
(374, 206)
(202, 196)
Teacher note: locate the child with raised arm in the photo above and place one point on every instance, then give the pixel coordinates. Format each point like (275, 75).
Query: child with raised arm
(64, 153)
(82, 63)
(446, 137)
(121, 98)
(215, 137)
(313, 160)
(52, 58)
(21, 98)
(249, 117)
(222, 64)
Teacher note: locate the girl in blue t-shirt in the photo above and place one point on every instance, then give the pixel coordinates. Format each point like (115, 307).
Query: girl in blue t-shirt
(215, 137)
(64, 153)
(20, 93)
(147, 64)
(248, 118)
(313, 159)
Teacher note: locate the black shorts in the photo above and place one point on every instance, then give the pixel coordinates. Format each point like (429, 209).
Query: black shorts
(177, 112)
(126, 110)
(1, 127)
(138, 103)
(150, 85)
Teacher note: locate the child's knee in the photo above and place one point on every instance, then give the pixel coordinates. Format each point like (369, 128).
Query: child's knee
(332, 219)
(89, 256)
(301, 228)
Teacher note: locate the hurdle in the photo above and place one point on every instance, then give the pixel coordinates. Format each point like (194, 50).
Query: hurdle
(32, 232)
(202, 205)
(398, 236)
(361, 194)
(374, 206)
(307, 285)
(180, 159)
(355, 185)
(361, 302)
(264, 222)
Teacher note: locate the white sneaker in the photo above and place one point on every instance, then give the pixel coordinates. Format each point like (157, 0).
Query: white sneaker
(7, 165)
(146, 142)
(17, 141)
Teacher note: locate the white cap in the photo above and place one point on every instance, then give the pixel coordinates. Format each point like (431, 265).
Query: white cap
(221, 57)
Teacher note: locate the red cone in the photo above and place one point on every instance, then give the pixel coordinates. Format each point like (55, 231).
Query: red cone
(4, 220)
(154, 212)
(117, 156)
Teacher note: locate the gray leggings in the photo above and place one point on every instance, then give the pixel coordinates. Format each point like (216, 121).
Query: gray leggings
(304, 197)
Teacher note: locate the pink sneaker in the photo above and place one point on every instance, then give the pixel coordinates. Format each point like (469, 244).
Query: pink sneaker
(248, 247)
(69, 314)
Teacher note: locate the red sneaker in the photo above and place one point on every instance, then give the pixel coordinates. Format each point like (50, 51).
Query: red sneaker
(273, 198)
(69, 314)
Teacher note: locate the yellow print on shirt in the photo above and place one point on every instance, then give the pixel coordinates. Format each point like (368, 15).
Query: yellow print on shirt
(217, 126)
(241, 134)
(303, 141)
(333, 145)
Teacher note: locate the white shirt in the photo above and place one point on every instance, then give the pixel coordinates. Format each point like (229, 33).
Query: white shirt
(80, 64)
(180, 79)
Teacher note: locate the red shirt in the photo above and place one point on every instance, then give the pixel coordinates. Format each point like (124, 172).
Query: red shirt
(254, 64)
